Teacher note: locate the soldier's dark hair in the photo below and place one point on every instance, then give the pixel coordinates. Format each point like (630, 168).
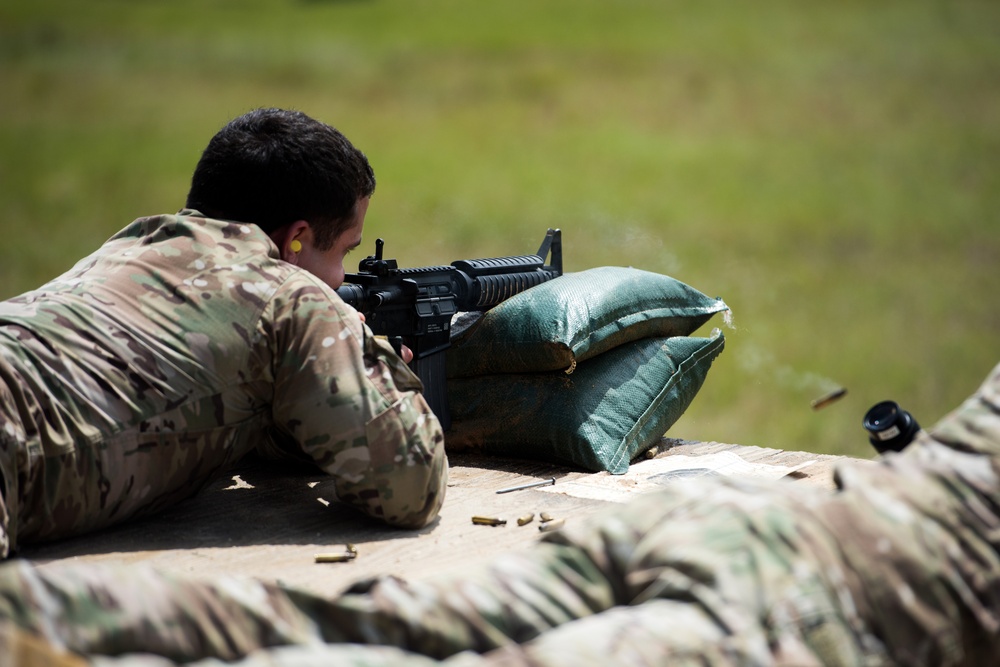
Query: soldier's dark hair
(271, 167)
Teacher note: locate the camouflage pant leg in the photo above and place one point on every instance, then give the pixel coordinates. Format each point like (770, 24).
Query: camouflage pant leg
(20, 649)
(104, 610)
(97, 609)
(325, 655)
(620, 636)
(657, 632)
(109, 610)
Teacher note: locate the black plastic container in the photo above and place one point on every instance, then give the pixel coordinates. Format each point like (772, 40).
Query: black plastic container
(890, 428)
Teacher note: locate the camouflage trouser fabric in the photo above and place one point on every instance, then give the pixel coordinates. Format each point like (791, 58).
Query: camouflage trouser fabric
(898, 567)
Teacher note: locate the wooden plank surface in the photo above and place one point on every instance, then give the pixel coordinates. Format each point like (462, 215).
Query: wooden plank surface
(270, 521)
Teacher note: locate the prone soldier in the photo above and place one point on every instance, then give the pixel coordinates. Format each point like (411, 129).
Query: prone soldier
(188, 341)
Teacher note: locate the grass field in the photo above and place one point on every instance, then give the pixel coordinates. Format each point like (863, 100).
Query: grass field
(832, 170)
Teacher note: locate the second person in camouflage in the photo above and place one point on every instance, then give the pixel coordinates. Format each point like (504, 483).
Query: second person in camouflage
(899, 566)
(187, 341)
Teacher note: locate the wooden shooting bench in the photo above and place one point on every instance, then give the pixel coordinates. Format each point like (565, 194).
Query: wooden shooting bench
(270, 522)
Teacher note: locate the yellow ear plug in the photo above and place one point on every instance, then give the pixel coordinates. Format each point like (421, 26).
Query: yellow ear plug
(296, 246)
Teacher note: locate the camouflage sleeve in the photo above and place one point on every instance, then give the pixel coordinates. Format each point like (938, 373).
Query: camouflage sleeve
(354, 407)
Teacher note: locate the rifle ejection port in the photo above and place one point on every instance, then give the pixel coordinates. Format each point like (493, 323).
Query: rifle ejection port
(436, 307)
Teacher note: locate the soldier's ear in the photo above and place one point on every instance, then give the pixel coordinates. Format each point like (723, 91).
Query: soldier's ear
(290, 239)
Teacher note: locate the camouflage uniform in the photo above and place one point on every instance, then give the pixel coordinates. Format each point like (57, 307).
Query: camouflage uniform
(182, 344)
(899, 566)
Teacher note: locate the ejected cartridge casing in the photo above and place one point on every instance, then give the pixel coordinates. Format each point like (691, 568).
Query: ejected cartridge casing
(552, 524)
(489, 521)
(545, 516)
(525, 520)
(336, 557)
(829, 398)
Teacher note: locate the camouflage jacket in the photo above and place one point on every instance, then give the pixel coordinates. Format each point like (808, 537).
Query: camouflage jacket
(182, 344)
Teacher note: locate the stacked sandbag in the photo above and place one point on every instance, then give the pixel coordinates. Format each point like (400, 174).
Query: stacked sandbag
(589, 369)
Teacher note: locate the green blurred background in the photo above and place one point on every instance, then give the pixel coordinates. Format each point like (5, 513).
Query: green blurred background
(831, 170)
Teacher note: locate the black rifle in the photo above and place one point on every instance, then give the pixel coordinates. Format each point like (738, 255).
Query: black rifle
(414, 307)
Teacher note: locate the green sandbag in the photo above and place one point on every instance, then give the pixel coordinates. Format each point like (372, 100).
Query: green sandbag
(556, 325)
(614, 407)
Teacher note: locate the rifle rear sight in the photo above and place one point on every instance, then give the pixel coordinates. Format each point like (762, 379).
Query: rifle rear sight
(374, 264)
